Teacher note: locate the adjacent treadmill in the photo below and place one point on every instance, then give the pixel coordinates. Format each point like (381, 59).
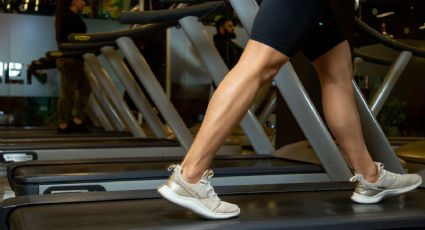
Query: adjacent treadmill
(112, 175)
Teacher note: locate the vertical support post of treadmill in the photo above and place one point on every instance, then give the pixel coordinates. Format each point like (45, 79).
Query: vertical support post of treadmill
(216, 67)
(302, 108)
(132, 88)
(155, 91)
(113, 117)
(94, 106)
(117, 101)
(376, 141)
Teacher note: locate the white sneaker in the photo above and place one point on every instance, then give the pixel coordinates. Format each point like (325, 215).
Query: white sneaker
(388, 184)
(199, 198)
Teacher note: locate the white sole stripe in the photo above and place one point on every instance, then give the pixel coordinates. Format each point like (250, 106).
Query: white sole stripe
(193, 204)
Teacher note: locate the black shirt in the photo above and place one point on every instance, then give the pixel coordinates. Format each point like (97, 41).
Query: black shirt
(71, 23)
(229, 50)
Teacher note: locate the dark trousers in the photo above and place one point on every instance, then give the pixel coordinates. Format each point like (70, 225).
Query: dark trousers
(75, 89)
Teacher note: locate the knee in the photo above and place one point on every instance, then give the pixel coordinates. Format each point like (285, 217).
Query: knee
(261, 62)
(266, 71)
(336, 74)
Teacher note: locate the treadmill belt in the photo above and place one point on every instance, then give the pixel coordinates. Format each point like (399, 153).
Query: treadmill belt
(90, 143)
(331, 209)
(30, 174)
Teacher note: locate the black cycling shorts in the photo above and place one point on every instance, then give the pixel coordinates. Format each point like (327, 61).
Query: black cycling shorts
(290, 25)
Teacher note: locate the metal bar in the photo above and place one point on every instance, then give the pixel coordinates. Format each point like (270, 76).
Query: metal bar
(113, 117)
(390, 79)
(134, 91)
(116, 98)
(268, 109)
(155, 91)
(93, 105)
(376, 141)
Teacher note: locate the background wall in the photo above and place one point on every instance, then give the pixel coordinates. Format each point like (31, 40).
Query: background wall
(24, 38)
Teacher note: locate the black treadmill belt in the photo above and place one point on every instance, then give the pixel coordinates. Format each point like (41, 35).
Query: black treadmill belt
(88, 143)
(281, 210)
(157, 169)
(53, 134)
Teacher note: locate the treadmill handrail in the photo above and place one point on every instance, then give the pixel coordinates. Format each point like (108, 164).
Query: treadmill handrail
(60, 54)
(154, 16)
(41, 65)
(85, 46)
(389, 42)
(112, 36)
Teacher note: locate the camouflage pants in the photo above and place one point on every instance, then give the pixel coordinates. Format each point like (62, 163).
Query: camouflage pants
(75, 89)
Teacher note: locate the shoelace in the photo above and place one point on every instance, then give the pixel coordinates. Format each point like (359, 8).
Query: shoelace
(206, 180)
(357, 177)
(391, 177)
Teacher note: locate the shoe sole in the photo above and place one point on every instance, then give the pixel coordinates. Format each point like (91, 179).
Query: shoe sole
(193, 205)
(386, 193)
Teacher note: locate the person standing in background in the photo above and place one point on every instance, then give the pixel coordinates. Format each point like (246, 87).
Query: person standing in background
(75, 88)
(228, 49)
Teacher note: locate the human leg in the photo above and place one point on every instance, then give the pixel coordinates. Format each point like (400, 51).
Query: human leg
(84, 91)
(67, 91)
(335, 74)
(189, 185)
(258, 65)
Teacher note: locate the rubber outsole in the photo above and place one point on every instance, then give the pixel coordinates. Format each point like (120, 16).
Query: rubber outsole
(193, 205)
(386, 193)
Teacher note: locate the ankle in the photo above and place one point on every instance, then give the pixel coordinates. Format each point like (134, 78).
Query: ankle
(372, 175)
(191, 175)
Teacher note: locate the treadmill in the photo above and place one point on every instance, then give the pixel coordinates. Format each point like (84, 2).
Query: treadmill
(47, 177)
(88, 148)
(286, 206)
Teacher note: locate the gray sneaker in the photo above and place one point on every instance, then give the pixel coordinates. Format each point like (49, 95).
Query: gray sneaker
(199, 198)
(388, 184)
